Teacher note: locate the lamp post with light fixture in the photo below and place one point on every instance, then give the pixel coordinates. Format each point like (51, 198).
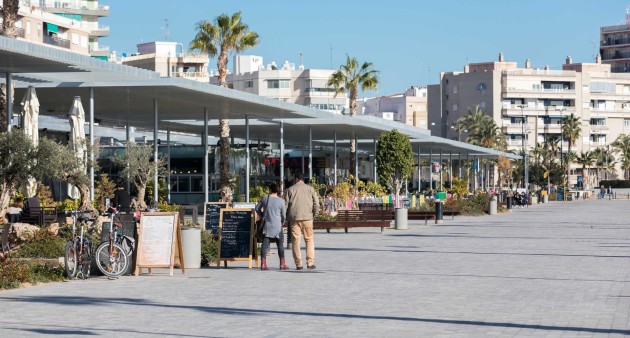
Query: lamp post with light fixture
(525, 166)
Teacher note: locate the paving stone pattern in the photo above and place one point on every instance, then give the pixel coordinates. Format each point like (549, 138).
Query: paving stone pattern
(551, 270)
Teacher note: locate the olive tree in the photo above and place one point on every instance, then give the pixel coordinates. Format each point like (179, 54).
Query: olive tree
(394, 157)
(138, 165)
(21, 160)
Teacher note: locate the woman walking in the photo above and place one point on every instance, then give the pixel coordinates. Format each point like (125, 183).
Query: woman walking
(272, 210)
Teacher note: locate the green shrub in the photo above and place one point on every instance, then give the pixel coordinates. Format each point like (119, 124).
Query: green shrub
(209, 248)
(15, 272)
(69, 204)
(42, 244)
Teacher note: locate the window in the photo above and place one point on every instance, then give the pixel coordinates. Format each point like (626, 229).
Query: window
(455, 106)
(482, 104)
(273, 84)
(28, 28)
(626, 123)
(84, 41)
(249, 84)
(454, 89)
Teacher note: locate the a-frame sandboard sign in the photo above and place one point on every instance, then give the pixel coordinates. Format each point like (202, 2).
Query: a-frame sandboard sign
(236, 230)
(159, 237)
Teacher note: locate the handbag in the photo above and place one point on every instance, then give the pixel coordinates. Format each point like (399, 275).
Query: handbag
(260, 224)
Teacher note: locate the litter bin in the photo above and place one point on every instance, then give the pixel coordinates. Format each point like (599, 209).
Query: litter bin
(509, 202)
(492, 208)
(439, 217)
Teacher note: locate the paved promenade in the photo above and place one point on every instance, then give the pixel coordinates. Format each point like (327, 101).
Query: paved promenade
(552, 270)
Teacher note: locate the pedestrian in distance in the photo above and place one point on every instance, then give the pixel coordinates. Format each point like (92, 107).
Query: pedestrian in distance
(602, 192)
(273, 209)
(122, 199)
(302, 206)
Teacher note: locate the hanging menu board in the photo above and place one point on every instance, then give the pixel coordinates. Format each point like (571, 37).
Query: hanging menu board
(211, 215)
(236, 228)
(158, 238)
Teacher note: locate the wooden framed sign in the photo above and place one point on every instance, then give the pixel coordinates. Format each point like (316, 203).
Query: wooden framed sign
(236, 230)
(159, 237)
(211, 215)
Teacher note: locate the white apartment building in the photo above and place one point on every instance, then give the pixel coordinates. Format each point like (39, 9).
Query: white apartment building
(284, 82)
(36, 25)
(409, 107)
(162, 57)
(530, 103)
(71, 24)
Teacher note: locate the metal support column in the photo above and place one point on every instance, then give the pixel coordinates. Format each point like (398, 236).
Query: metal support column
(335, 157)
(303, 149)
(419, 170)
(168, 165)
(441, 176)
(206, 185)
(155, 150)
(450, 168)
(375, 163)
(310, 153)
(9, 105)
(459, 162)
(430, 168)
(247, 160)
(356, 160)
(91, 130)
(128, 135)
(282, 155)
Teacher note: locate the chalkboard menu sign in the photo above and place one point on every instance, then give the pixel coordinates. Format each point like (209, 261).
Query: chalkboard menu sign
(212, 214)
(236, 227)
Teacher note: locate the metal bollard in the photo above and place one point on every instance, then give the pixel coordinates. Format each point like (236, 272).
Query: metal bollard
(439, 216)
(509, 202)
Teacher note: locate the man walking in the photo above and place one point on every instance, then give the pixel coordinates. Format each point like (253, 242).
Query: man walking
(302, 206)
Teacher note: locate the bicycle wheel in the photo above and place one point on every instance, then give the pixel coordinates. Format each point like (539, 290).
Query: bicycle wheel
(86, 257)
(70, 260)
(114, 263)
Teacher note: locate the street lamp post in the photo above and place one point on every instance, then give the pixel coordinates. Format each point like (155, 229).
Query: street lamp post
(525, 166)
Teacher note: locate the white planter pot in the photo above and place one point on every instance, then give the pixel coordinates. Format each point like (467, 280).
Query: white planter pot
(191, 247)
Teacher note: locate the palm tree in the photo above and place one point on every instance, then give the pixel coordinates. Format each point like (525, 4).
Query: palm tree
(571, 129)
(472, 121)
(586, 159)
(348, 79)
(622, 145)
(224, 35)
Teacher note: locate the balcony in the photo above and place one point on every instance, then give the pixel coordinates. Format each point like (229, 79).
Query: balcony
(539, 72)
(55, 41)
(101, 31)
(599, 129)
(552, 128)
(68, 8)
(192, 75)
(513, 92)
(615, 41)
(514, 110)
(513, 128)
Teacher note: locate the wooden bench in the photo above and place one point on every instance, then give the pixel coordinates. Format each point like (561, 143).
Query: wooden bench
(452, 213)
(421, 215)
(358, 219)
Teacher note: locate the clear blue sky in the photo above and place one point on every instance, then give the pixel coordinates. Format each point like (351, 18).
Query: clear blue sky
(403, 39)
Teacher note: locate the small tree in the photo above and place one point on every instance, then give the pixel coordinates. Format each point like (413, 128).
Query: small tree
(395, 160)
(138, 165)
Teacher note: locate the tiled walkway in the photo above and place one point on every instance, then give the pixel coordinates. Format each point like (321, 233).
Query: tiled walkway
(552, 270)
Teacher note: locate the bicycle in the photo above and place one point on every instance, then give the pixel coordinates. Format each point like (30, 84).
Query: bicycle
(78, 253)
(111, 258)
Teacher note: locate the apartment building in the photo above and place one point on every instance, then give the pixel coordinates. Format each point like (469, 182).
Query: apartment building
(530, 103)
(41, 27)
(614, 46)
(284, 82)
(409, 107)
(69, 24)
(162, 57)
